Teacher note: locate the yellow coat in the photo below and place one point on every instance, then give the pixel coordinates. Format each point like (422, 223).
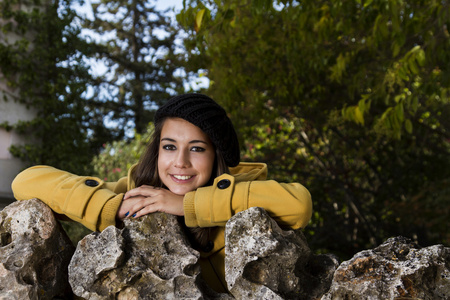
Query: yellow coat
(94, 203)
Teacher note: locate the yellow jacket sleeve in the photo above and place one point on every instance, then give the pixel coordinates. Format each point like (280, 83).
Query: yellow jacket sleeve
(87, 200)
(289, 204)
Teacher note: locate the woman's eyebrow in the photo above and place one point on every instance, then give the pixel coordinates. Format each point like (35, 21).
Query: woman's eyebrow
(168, 139)
(191, 142)
(197, 141)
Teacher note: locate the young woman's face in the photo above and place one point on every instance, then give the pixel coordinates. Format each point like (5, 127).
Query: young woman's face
(186, 156)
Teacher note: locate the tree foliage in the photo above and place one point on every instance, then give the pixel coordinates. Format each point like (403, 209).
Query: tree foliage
(348, 97)
(117, 157)
(40, 60)
(137, 45)
(47, 66)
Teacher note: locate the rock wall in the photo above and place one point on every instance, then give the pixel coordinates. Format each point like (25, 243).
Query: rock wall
(34, 253)
(150, 258)
(264, 262)
(397, 269)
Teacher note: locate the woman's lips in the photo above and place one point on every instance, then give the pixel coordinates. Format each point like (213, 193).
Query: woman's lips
(182, 178)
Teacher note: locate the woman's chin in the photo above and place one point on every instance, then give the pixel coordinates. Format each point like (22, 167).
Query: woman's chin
(181, 191)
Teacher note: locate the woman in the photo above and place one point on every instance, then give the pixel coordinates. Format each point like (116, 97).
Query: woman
(190, 168)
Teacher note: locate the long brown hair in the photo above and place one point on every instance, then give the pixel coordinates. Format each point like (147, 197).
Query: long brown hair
(146, 173)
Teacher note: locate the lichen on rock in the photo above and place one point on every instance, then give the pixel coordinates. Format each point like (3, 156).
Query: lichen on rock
(149, 258)
(397, 269)
(265, 262)
(34, 253)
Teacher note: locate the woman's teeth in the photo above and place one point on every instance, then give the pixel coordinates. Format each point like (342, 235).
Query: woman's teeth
(182, 177)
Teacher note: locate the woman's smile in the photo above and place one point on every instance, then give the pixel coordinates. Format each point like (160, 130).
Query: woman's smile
(182, 177)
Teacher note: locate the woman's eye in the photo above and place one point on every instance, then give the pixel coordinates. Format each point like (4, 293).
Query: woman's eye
(197, 149)
(169, 147)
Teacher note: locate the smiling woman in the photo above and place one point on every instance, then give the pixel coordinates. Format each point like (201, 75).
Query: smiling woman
(186, 156)
(190, 168)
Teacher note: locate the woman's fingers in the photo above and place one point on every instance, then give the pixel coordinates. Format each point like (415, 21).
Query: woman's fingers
(144, 190)
(151, 208)
(140, 204)
(126, 207)
(146, 199)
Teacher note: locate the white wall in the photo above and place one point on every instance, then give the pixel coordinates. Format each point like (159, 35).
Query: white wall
(11, 112)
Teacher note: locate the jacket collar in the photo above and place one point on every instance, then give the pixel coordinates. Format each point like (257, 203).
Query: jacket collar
(247, 171)
(131, 184)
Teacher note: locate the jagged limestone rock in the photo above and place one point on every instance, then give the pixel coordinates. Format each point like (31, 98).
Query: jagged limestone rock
(149, 258)
(34, 253)
(397, 269)
(264, 262)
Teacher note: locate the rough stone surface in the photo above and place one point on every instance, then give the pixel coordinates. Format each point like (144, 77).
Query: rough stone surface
(264, 262)
(397, 269)
(34, 253)
(148, 259)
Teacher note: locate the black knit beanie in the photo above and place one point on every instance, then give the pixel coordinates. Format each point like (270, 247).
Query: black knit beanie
(210, 117)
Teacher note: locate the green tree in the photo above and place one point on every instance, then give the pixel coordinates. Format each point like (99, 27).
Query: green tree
(44, 65)
(137, 45)
(355, 93)
(117, 157)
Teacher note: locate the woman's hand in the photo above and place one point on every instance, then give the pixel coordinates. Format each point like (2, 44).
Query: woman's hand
(147, 199)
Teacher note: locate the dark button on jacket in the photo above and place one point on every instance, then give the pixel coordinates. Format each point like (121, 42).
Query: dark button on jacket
(223, 184)
(91, 183)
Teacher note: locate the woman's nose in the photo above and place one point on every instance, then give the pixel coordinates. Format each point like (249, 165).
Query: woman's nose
(182, 160)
